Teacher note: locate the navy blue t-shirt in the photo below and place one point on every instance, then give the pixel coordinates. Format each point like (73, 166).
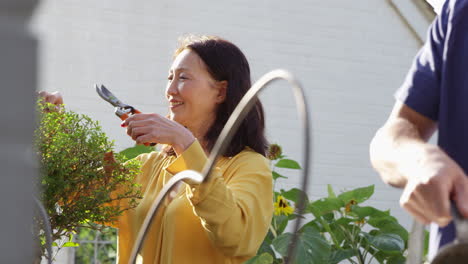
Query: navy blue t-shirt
(437, 87)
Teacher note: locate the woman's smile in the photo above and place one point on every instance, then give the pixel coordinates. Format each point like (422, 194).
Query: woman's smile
(174, 104)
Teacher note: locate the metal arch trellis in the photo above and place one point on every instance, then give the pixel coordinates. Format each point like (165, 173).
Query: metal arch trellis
(244, 106)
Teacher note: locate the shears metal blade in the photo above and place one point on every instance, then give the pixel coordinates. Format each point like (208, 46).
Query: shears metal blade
(121, 110)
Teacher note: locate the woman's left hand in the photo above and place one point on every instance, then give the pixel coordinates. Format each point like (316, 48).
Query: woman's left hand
(149, 128)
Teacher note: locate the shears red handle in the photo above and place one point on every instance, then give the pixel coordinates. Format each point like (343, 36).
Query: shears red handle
(123, 111)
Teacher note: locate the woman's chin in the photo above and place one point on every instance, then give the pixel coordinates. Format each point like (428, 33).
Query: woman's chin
(177, 119)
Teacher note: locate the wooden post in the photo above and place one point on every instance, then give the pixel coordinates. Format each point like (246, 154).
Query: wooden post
(18, 63)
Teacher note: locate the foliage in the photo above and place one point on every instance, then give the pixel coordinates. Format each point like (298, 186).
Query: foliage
(339, 227)
(81, 181)
(106, 239)
(132, 152)
(94, 244)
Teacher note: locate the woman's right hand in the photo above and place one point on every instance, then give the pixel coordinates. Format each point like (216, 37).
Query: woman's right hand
(53, 98)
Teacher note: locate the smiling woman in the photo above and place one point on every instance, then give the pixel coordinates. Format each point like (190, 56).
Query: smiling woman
(224, 219)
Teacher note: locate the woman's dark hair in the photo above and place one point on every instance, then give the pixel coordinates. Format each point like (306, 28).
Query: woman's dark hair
(226, 62)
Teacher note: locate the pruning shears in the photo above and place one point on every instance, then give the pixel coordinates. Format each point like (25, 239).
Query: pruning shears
(122, 110)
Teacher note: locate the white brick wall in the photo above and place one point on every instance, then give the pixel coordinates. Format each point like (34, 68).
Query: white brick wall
(349, 55)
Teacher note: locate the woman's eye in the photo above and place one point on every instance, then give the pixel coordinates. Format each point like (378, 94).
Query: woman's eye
(170, 77)
(183, 78)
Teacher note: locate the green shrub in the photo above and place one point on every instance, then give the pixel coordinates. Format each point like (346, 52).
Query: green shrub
(82, 183)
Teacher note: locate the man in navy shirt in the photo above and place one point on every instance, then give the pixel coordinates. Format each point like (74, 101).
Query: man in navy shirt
(433, 97)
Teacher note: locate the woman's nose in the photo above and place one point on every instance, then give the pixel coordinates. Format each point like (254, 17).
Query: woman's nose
(171, 88)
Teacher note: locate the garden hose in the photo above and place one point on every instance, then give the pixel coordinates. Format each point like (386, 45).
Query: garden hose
(47, 229)
(236, 118)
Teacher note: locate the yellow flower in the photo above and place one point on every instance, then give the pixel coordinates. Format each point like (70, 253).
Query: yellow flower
(360, 222)
(348, 205)
(282, 206)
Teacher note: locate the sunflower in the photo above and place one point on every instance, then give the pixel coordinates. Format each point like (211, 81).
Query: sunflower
(348, 205)
(274, 152)
(282, 206)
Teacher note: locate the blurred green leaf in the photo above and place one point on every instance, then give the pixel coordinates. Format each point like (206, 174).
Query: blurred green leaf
(396, 260)
(387, 242)
(311, 247)
(359, 195)
(331, 193)
(70, 244)
(264, 258)
(133, 152)
(281, 223)
(277, 175)
(324, 206)
(294, 194)
(288, 164)
(389, 224)
(426, 242)
(341, 254)
(265, 247)
(314, 224)
(368, 211)
(341, 229)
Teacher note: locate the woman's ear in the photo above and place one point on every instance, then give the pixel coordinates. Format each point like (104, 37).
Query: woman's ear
(222, 90)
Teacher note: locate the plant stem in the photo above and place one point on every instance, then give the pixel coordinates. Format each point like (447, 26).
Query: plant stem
(273, 231)
(360, 258)
(327, 227)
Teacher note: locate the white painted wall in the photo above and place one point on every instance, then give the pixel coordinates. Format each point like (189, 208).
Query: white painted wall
(350, 56)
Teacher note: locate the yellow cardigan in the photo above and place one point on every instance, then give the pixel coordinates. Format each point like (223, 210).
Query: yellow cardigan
(223, 220)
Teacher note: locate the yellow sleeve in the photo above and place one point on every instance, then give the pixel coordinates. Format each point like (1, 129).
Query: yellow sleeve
(235, 208)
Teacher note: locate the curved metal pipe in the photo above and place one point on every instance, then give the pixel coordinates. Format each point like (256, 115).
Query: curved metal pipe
(233, 123)
(47, 229)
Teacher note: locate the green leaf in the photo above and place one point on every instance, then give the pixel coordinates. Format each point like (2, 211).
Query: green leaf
(277, 175)
(340, 228)
(311, 247)
(329, 217)
(132, 152)
(264, 258)
(54, 244)
(341, 254)
(70, 244)
(396, 260)
(387, 242)
(359, 195)
(281, 223)
(266, 245)
(331, 193)
(426, 242)
(324, 206)
(368, 211)
(380, 256)
(294, 194)
(288, 164)
(389, 224)
(313, 224)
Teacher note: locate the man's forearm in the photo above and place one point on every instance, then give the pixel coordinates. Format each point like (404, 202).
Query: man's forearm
(395, 149)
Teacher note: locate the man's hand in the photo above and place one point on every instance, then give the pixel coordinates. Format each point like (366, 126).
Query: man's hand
(430, 178)
(431, 183)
